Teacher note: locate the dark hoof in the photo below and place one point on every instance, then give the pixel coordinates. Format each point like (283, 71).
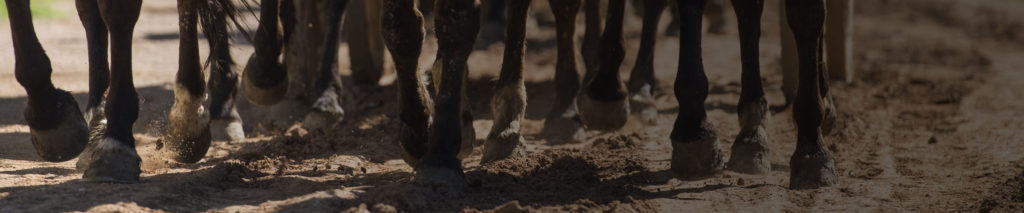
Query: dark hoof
(505, 139)
(188, 131)
(602, 114)
(812, 171)
(565, 128)
(643, 103)
(699, 158)
(263, 95)
(326, 111)
(109, 160)
(829, 122)
(502, 145)
(445, 181)
(750, 152)
(68, 138)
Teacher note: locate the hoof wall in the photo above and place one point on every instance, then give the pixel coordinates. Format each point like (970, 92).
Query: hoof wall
(603, 115)
(326, 113)
(750, 154)
(263, 95)
(68, 138)
(110, 161)
(188, 134)
(698, 159)
(502, 146)
(812, 171)
(227, 129)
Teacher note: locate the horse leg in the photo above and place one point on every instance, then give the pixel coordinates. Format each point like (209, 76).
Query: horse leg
(811, 166)
(696, 152)
(591, 38)
(641, 80)
(114, 159)
(223, 82)
(468, 131)
(403, 33)
(58, 131)
(365, 46)
(457, 24)
(311, 50)
(99, 71)
(602, 103)
(264, 79)
(188, 130)
(750, 150)
(508, 105)
(560, 123)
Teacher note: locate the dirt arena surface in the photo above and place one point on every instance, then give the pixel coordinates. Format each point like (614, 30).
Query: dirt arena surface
(931, 123)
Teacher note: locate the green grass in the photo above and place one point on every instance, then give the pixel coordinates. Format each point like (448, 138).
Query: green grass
(40, 9)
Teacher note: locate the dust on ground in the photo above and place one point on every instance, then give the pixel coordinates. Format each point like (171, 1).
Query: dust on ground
(931, 123)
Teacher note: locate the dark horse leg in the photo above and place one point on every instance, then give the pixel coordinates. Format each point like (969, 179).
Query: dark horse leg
(696, 152)
(223, 82)
(311, 58)
(591, 38)
(811, 166)
(602, 102)
(113, 157)
(509, 103)
(457, 24)
(641, 80)
(188, 131)
(402, 29)
(264, 79)
(560, 124)
(362, 29)
(99, 71)
(750, 150)
(58, 131)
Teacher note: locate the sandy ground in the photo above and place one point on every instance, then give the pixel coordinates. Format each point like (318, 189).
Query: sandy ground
(931, 123)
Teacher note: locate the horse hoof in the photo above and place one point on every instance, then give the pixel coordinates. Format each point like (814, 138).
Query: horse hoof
(188, 131)
(643, 102)
(227, 126)
(750, 152)
(698, 158)
(604, 115)
(227, 129)
(67, 138)
(502, 145)
(564, 128)
(326, 111)
(505, 139)
(110, 160)
(812, 171)
(263, 95)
